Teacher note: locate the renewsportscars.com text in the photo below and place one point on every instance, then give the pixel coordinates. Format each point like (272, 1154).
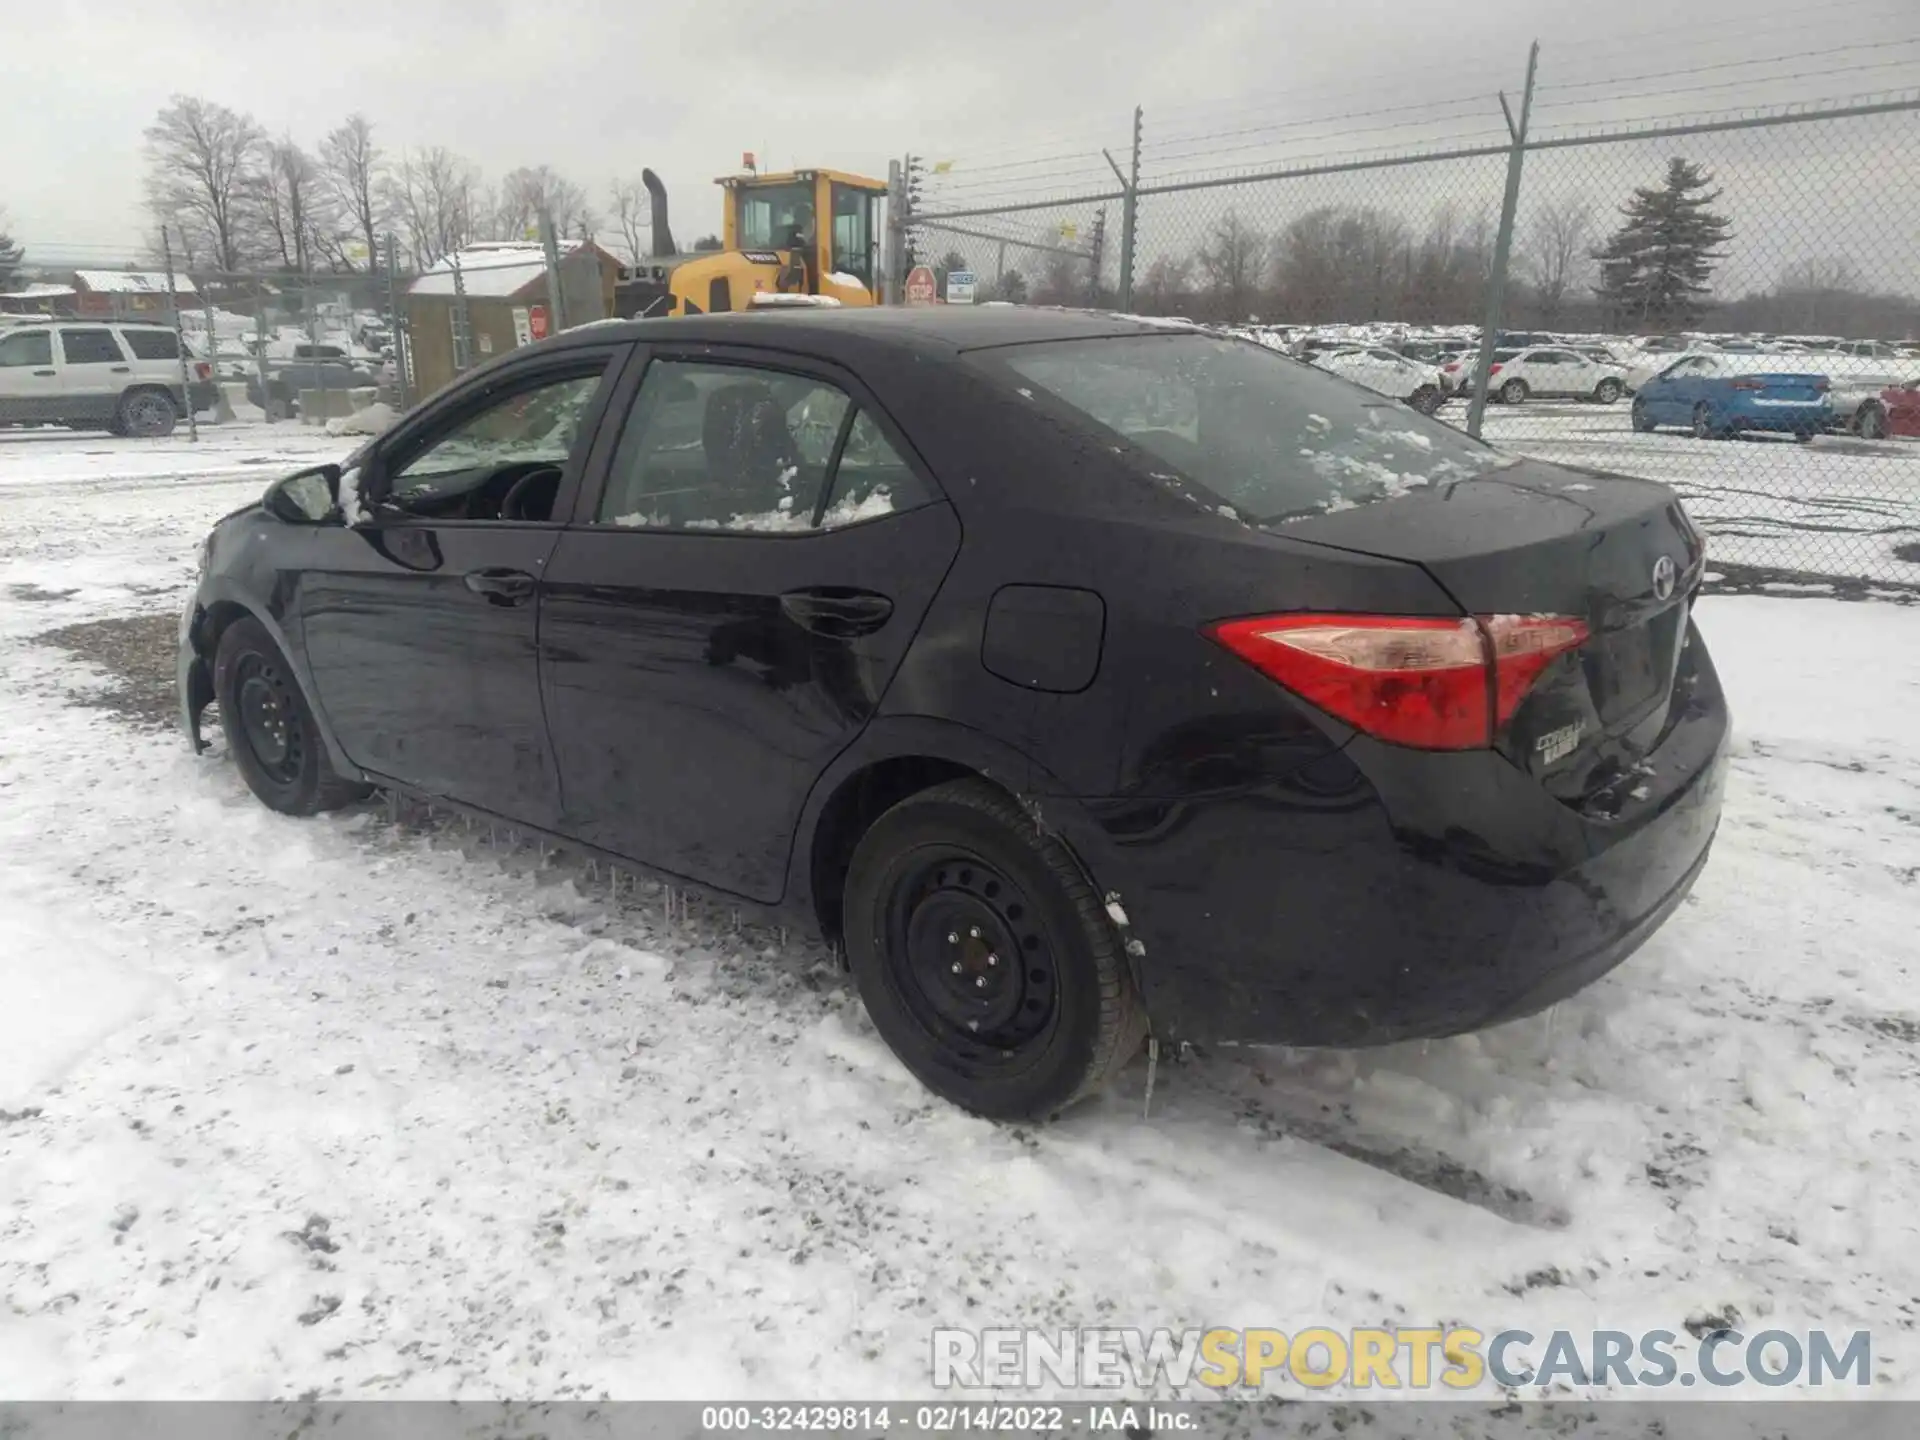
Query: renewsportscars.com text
(1380, 1359)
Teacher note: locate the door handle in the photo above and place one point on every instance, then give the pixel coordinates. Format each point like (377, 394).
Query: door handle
(501, 587)
(835, 613)
(122, 369)
(48, 373)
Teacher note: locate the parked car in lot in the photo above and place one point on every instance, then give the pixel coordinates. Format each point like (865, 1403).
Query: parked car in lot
(1079, 676)
(1895, 411)
(280, 399)
(1553, 372)
(1716, 397)
(1381, 369)
(122, 377)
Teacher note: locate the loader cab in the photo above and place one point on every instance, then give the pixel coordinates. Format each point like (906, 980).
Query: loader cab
(827, 218)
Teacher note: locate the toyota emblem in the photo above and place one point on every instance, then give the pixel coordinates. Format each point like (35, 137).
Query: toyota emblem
(1663, 577)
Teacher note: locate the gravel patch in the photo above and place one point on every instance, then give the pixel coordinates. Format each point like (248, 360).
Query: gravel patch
(138, 654)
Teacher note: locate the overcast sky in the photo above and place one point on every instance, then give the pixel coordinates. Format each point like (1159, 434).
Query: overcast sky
(599, 88)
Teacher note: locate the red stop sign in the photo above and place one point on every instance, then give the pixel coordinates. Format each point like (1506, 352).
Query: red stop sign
(921, 288)
(537, 321)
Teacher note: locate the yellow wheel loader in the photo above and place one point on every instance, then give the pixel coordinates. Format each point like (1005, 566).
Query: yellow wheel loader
(807, 233)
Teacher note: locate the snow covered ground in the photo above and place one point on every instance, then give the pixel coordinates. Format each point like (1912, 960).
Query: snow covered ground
(364, 1109)
(1838, 506)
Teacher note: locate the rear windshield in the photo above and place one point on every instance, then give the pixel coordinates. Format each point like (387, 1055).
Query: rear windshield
(1272, 438)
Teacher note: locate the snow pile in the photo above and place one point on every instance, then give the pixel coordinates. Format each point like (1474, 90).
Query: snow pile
(373, 419)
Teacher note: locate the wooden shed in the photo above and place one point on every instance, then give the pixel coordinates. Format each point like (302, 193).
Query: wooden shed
(507, 303)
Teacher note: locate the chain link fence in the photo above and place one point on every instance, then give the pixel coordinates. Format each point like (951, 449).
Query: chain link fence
(349, 349)
(1730, 305)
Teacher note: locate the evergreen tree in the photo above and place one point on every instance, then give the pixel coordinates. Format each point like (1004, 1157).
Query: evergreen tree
(10, 255)
(1655, 269)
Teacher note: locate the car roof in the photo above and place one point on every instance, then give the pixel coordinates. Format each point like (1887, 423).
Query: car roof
(933, 329)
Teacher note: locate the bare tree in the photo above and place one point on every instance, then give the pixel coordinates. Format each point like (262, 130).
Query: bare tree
(1230, 265)
(353, 170)
(1818, 274)
(1063, 280)
(288, 215)
(200, 159)
(1558, 252)
(525, 192)
(437, 198)
(1163, 290)
(633, 214)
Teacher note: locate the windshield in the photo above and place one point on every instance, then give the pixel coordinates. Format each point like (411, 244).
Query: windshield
(775, 217)
(1273, 439)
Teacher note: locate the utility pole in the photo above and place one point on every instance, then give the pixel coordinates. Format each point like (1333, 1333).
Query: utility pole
(402, 358)
(179, 338)
(888, 289)
(1129, 213)
(1502, 244)
(556, 288)
(1097, 256)
(462, 335)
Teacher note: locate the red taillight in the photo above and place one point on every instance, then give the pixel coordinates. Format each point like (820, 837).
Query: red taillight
(202, 370)
(1493, 370)
(1431, 684)
(1820, 386)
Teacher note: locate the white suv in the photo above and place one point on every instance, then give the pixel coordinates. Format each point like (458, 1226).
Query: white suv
(1389, 372)
(93, 373)
(1553, 371)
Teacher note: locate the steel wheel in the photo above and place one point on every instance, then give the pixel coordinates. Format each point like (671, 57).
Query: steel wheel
(147, 414)
(271, 733)
(969, 958)
(984, 954)
(270, 723)
(1608, 391)
(1514, 392)
(1872, 423)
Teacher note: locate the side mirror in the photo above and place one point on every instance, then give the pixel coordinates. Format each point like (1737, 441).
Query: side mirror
(306, 497)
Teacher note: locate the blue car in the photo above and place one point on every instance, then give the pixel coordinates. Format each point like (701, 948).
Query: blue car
(1718, 396)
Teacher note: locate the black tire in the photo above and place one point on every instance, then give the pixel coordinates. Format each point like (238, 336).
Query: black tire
(1642, 421)
(1871, 422)
(1608, 391)
(1427, 399)
(1514, 392)
(146, 414)
(269, 728)
(957, 880)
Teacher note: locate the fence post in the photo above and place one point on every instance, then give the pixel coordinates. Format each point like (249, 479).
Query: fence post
(179, 339)
(556, 287)
(402, 358)
(1502, 245)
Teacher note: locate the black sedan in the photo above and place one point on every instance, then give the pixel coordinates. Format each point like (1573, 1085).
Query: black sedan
(1085, 680)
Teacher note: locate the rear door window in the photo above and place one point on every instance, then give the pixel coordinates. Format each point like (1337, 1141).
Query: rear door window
(740, 447)
(1271, 438)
